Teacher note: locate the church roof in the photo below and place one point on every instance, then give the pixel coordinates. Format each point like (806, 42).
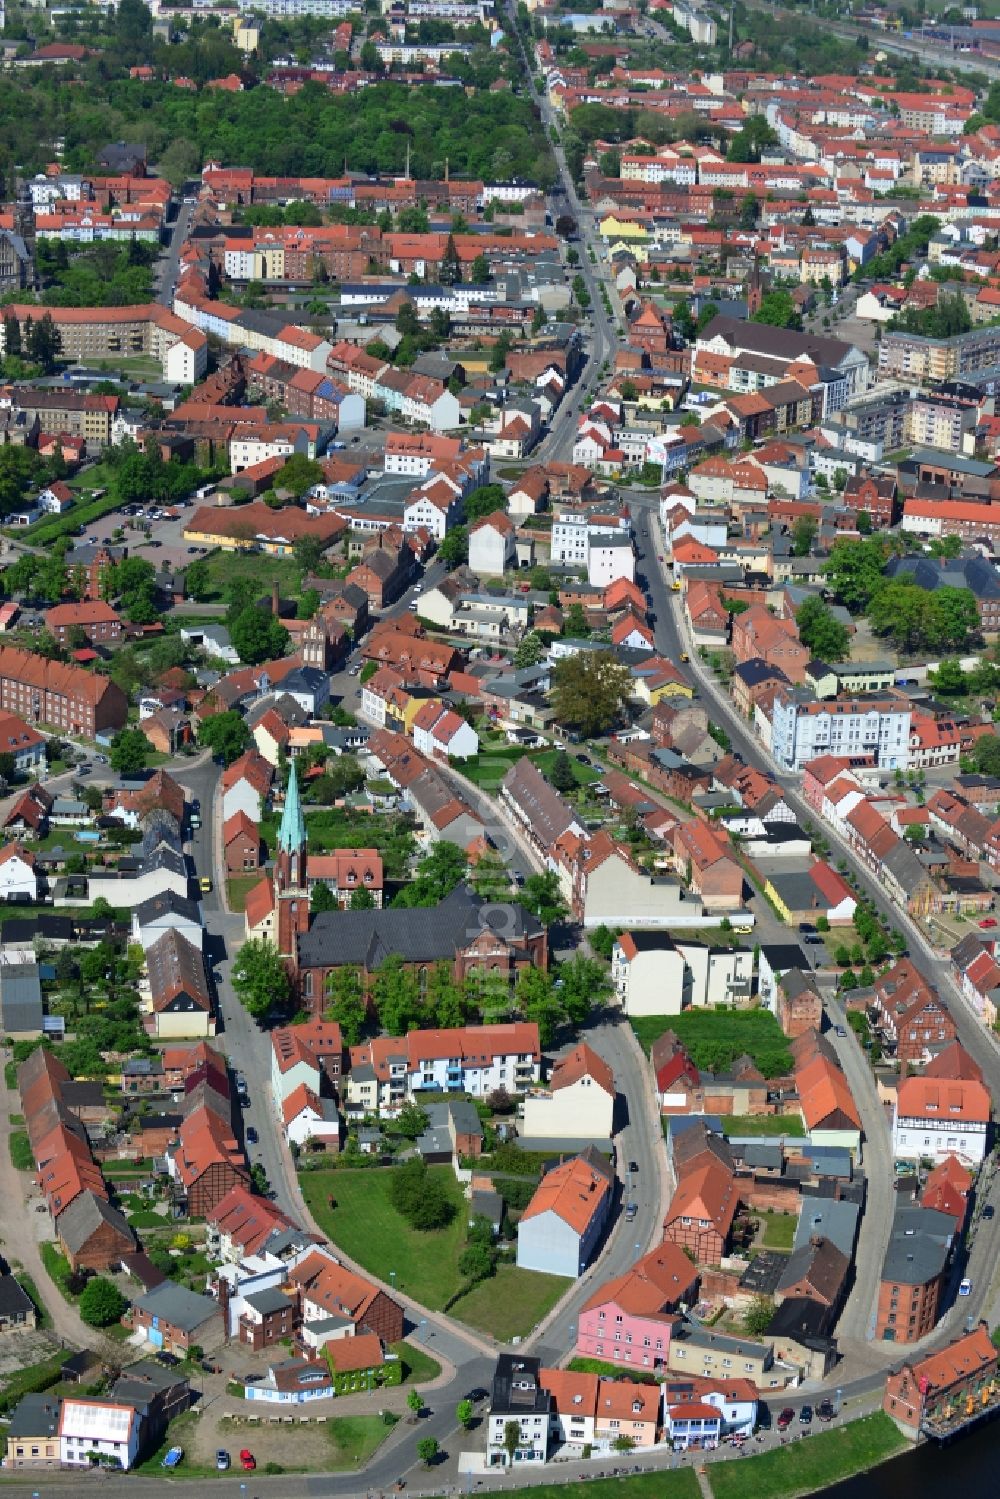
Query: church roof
(292, 833)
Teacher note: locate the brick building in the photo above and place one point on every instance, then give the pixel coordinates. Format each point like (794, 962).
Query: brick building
(67, 697)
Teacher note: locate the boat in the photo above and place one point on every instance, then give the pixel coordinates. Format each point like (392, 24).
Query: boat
(173, 1457)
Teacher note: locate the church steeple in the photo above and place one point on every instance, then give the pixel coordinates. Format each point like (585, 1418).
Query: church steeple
(291, 880)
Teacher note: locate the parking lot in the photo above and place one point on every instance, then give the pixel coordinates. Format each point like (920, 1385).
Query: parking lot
(164, 548)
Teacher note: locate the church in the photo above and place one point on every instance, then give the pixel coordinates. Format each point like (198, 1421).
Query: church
(17, 247)
(476, 937)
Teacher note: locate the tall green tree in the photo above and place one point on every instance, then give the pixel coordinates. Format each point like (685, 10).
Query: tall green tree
(260, 978)
(588, 690)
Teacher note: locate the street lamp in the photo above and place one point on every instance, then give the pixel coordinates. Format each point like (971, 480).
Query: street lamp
(420, 1329)
(392, 1277)
(837, 1397)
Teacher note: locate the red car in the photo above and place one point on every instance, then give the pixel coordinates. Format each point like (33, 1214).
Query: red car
(247, 1460)
(988, 921)
(785, 1419)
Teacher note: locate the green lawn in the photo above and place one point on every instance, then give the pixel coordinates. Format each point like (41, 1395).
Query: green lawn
(814, 1463)
(225, 568)
(27, 1284)
(612, 1371)
(366, 1226)
(31, 1380)
(355, 1438)
(511, 1303)
(714, 1038)
(678, 1483)
(418, 1366)
(239, 887)
(494, 761)
(763, 1124)
(779, 1229)
(20, 1150)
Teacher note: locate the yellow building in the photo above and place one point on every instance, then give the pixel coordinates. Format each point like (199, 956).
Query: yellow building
(623, 229)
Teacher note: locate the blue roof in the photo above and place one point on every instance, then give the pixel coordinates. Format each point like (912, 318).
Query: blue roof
(292, 833)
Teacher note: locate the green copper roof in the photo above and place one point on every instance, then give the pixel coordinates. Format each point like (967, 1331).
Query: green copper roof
(292, 833)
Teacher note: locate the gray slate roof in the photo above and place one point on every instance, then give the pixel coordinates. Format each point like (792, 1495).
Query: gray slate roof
(84, 1216)
(178, 1306)
(419, 935)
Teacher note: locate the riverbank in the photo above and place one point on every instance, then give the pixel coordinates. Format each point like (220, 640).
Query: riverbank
(809, 1463)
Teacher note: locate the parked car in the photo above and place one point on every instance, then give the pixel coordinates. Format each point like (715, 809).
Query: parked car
(252, 1135)
(806, 1415)
(630, 1211)
(988, 1211)
(633, 1166)
(825, 1410)
(987, 922)
(170, 1360)
(965, 1287)
(786, 1418)
(841, 1030)
(247, 1460)
(222, 1460)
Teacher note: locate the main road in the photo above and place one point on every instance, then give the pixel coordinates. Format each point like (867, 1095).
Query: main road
(673, 640)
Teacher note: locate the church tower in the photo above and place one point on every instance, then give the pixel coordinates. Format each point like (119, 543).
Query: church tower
(291, 886)
(24, 225)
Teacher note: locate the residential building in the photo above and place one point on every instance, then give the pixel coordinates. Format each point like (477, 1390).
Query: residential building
(560, 1228)
(579, 1103)
(629, 1320)
(473, 1059)
(936, 1117)
(876, 731)
(933, 1396)
(67, 698)
(913, 1273)
(172, 1318)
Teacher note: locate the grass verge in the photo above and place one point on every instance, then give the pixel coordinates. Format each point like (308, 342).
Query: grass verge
(368, 1228)
(510, 1303)
(20, 1150)
(239, 887)
(714, 1038)
(418, 1366)
(58, 1267)
(812, 1463)
(355, 1438)
(27, 1284)
(763, 1124)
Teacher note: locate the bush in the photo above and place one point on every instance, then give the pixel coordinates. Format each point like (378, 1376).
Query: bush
(420, 1197)
(102, 1303)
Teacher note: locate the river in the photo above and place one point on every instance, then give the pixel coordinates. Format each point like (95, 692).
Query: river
(969, 1464)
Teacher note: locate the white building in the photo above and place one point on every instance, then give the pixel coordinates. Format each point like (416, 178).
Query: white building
(101, 1426)
(491, 544)
(935, 1117)
(580, 1102)
(601, 548)
(18, 879)
(802, 729)
(654, 975)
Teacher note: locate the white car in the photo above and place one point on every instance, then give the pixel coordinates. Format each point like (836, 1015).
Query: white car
(965, 1287)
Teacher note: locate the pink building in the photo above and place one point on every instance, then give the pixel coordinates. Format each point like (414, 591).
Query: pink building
(628, 1320)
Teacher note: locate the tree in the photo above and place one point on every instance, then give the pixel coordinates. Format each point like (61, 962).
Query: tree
(101, 1303)
(322, 898)
(853, 571)
(490, 877)
(427, 1450)
(758, 1316)
(198, 580)
(476, 1262)
(396, 996)
(583, 980)
(949, 679)
(412, 1120)
(443, 867)
(777, 307)
(588, 689)
(420, 1196)
(454, 549)
(562, 775)
(487, 499)
(129, 750)
(260, 978)
(623, 1442)
(415, 1402)
(540, 894)
(511, 1438)
(258, 636)
(538, 1002)
(346, 1002)
(225, 734)
(465, 1414)
(821, 632)
(803, 535)
(530, 650)
(300, 474)
(362, 899)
